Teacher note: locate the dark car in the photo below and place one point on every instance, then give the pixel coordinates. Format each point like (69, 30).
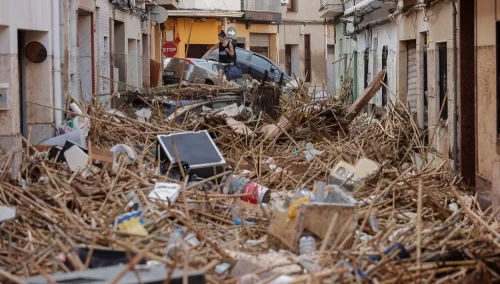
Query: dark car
(256, 65)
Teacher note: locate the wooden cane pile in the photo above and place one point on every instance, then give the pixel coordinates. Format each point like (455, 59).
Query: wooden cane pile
(437, 220)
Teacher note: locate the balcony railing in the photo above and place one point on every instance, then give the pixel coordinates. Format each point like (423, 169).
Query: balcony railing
(272, 6)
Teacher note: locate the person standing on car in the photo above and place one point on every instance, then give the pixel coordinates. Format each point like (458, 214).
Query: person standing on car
(226, 54)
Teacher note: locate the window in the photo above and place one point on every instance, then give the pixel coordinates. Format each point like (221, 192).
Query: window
(288, 59)
(385, 53)
(498, 80)
(367, 63)
(307, 57)
(292, 6)
(242, 54)
(443, 79)
(261, 62)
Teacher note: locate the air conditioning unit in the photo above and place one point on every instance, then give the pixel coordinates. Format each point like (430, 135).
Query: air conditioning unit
(284, 2)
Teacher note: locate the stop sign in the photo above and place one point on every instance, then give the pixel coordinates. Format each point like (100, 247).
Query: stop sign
(169, 49)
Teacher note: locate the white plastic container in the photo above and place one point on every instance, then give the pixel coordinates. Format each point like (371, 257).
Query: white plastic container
(166, 192)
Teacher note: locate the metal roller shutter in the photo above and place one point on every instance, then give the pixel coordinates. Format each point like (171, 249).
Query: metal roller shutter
(262, 40)
(412, 75)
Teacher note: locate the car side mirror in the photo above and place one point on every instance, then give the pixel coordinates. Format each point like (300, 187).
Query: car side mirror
(272, 69)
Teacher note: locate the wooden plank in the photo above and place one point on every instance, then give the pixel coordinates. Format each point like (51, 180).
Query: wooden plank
(103, 156)
(155, 73)
(366, 96)
(495, 186)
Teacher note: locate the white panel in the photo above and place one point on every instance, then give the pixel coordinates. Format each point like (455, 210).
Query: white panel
(84, 36)
(104, 10)
(412, 75)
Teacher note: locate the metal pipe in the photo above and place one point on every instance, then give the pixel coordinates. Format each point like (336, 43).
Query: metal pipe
(161, 57)
(73, 62)
(455, 99)
(326, 54)
(56, 62)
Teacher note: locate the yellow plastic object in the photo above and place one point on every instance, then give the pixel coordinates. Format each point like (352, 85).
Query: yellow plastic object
(132, 223)
(292, 210)
(133, 226)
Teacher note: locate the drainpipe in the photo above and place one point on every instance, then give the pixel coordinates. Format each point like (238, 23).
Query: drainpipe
(455, 99)
(326, 55)
(72, 51)
(56, 61)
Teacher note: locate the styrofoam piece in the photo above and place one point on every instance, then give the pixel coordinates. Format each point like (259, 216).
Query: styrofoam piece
(7, 213)
(166, 192)
(282, 280)
(76, 159)
(77, 137)
(119, 148)
(144, 114)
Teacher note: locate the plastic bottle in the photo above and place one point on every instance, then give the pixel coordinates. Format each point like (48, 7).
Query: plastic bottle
(236, 217)
(307, 244)
(174, 243)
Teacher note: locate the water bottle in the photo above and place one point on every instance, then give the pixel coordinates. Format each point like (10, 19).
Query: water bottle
(174, 243)
(236, 217)
(307, 244)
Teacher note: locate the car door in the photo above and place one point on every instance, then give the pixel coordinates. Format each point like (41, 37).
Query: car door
(242, 59)
(260, 64)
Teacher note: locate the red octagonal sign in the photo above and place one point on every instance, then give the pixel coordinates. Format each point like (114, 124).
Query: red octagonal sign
(169, 49)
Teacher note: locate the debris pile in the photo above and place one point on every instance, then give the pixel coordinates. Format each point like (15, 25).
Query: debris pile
(313, 194)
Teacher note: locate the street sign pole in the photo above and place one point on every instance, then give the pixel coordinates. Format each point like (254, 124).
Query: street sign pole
(159, 15)
(161, 56)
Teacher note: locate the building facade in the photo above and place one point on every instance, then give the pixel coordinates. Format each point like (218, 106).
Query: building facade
(484, 58)
(412, 40)
(306, 45)
(74, 48)
(292, 35)
(28, 70)
(252, 23)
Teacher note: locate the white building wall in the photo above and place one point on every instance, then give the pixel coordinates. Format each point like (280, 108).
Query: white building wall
(376, 39)
(224, 5)
(34, 18)
(103, 48)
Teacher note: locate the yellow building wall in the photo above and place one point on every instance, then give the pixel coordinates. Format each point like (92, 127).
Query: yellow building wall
(201, 33)
(206, 33)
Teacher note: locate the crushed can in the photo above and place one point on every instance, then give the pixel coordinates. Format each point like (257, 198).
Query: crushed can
(239, 185)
